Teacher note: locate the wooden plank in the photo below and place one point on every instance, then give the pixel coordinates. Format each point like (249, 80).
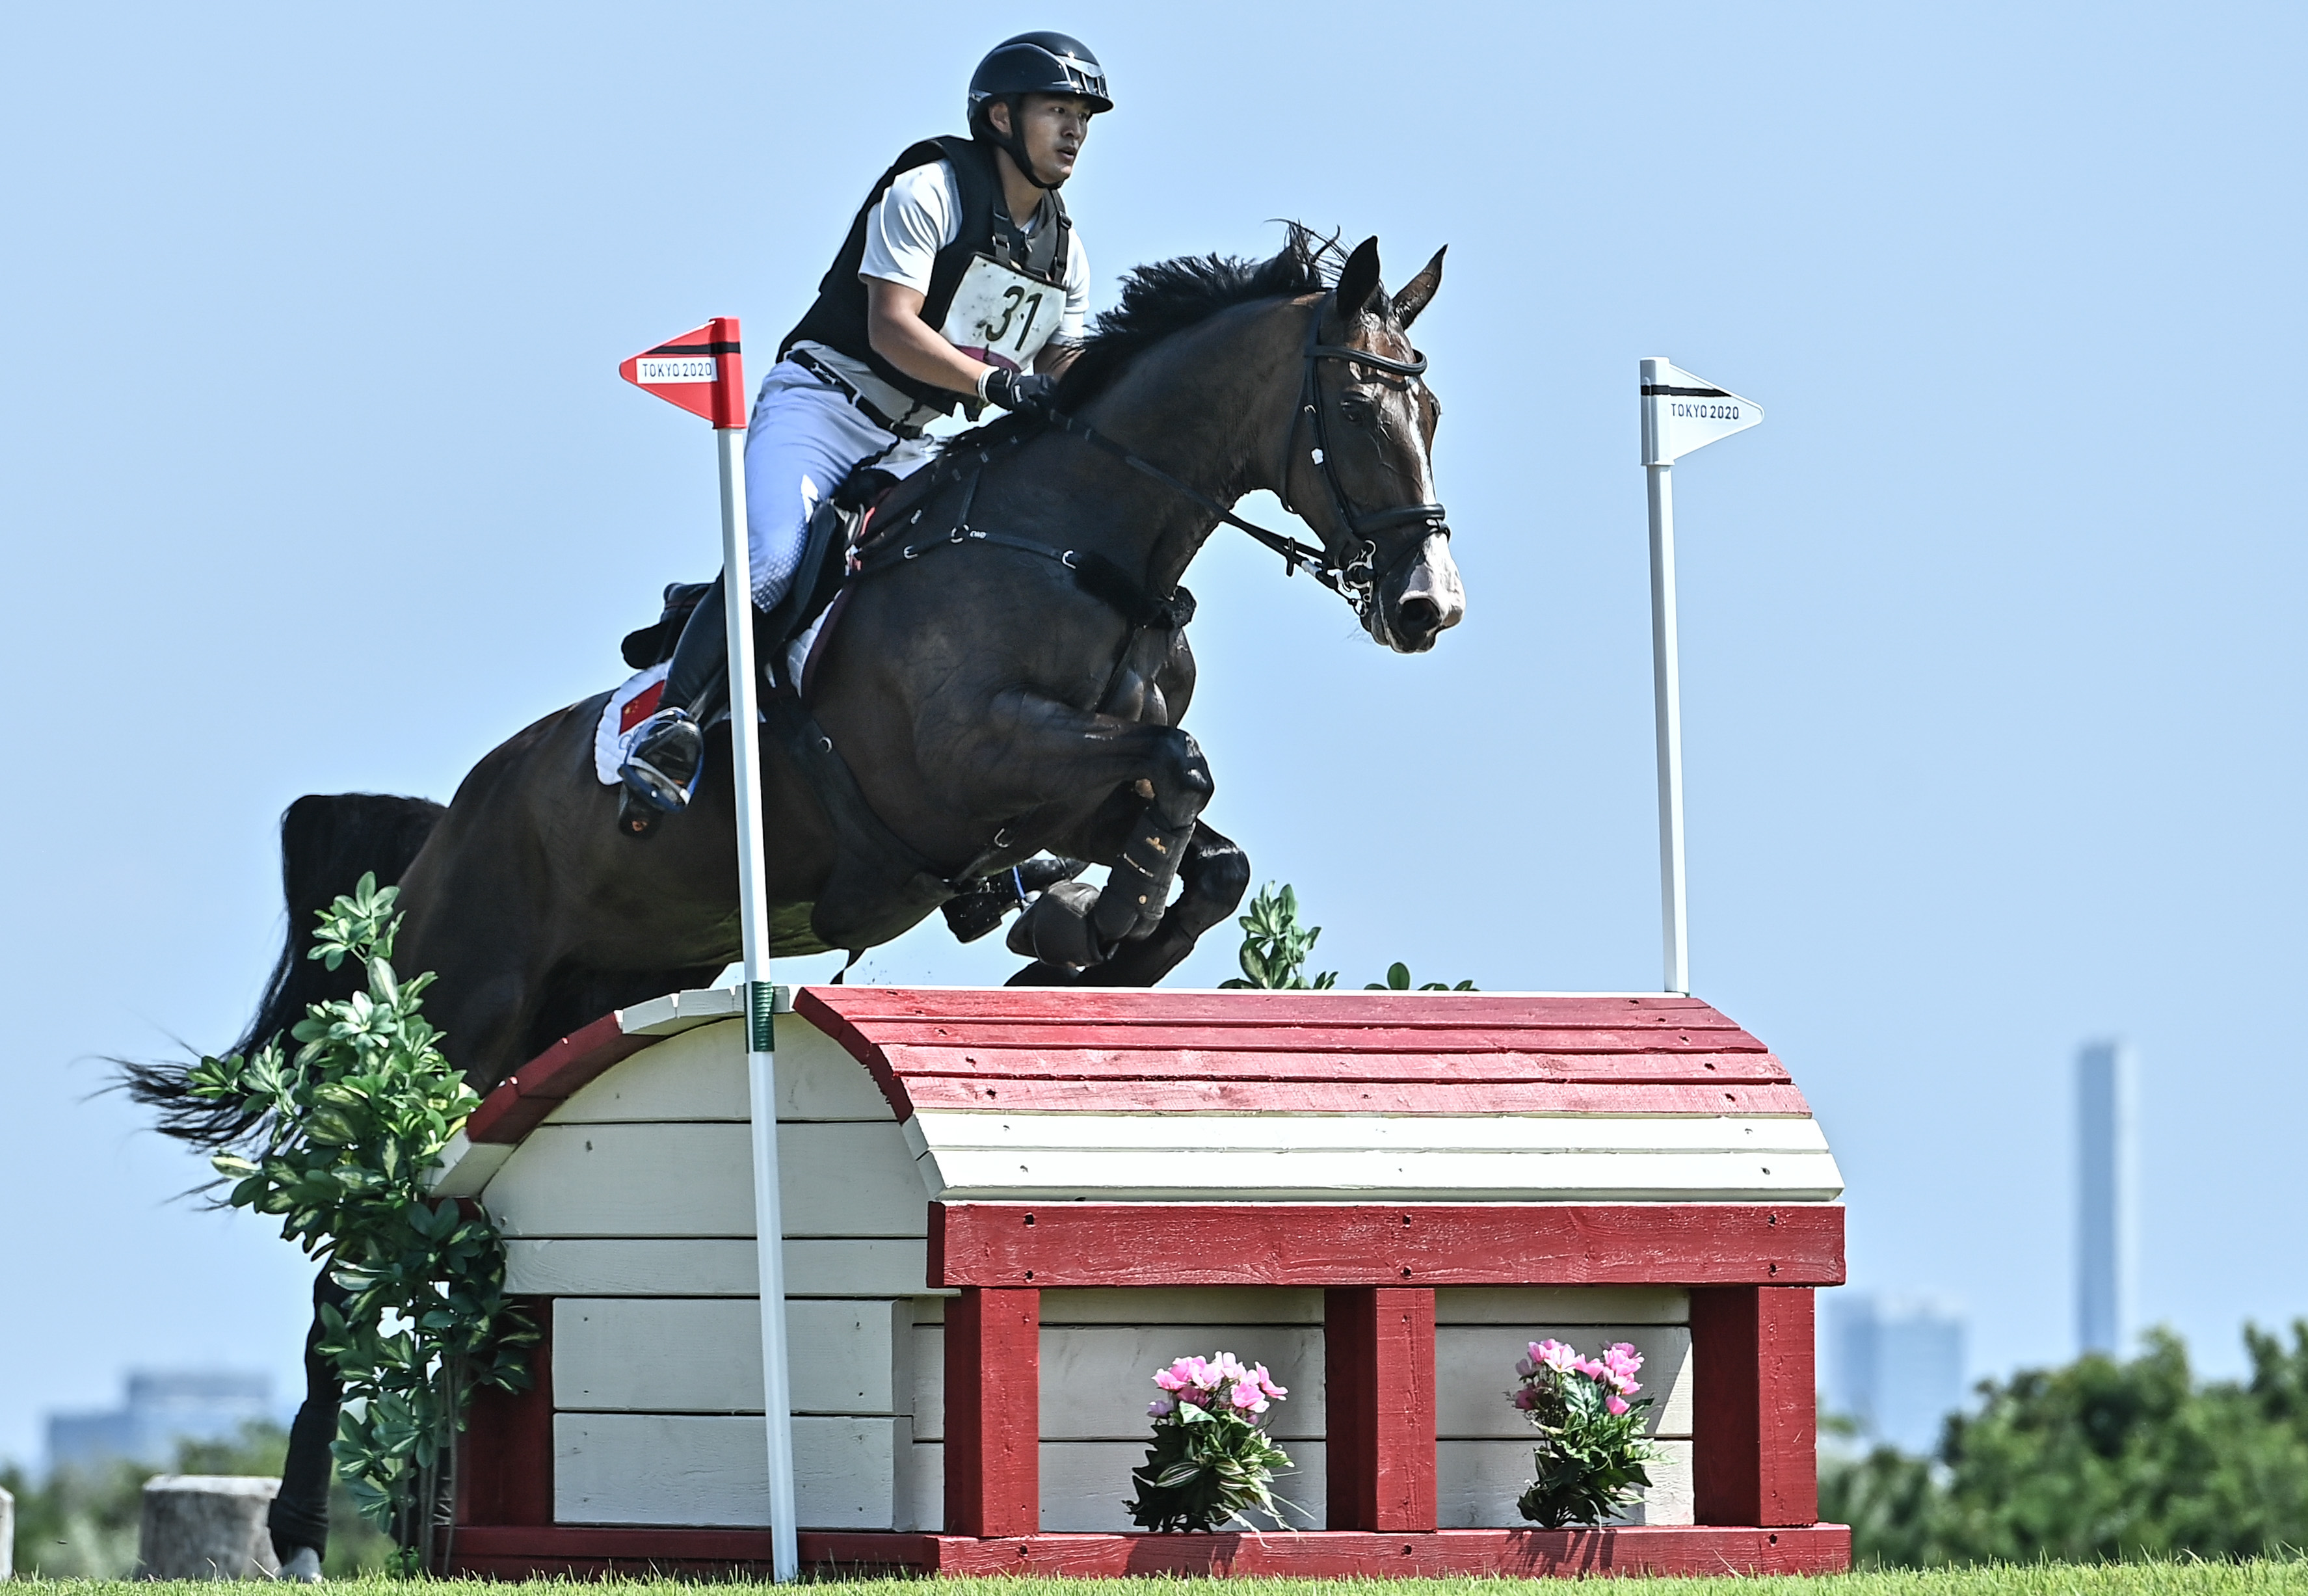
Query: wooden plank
(1283, 1175)
(1183, 1305)
(1442, 1096)
(982, 1008)
(1499, 1243)
(993, 1466)
(1475, 1373)
(524, 1098)
(577, 1180)
(1379, 1398)
(708, 1266)
(1576, 1307)
(1097, 1379)
(1121, 1134)
(466, 1167)
(929, 1390)
(518, 1552)
(700, 1074)
(506, 1477)
(1086, 1483)
(1479, 1483)
(702, 1355)
(1755, 1421)
(1393, 1056)
(713, 1470)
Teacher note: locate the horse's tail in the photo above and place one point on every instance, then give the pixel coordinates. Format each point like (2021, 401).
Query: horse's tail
(327, 839)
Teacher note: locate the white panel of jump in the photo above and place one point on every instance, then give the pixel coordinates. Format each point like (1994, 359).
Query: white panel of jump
(707, 1470)
(1477, 1483)
(701, 1075)
(940, 1129)
(693, 1179)
(1475, 1374)
(1285, 1175)
(1097, 1380)
(702, 1355)
(708, 1266)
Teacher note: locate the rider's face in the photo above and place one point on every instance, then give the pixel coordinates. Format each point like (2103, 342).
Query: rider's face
(1053, 127)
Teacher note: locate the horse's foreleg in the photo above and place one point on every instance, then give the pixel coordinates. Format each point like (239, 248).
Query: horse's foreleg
(298, 1518)
(1216, 873)
(1055, 746)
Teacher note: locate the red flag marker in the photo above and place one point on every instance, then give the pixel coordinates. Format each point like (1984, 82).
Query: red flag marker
(702, 371)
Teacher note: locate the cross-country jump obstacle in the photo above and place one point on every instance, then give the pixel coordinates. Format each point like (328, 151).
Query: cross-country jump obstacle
(1002, 1210)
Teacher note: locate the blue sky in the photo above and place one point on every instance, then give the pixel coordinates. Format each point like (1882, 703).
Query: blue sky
(315, 475)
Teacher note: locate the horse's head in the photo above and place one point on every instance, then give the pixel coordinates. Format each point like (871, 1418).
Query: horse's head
(1360, 468)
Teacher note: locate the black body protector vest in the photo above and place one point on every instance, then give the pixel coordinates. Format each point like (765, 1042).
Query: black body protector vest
(995, 293)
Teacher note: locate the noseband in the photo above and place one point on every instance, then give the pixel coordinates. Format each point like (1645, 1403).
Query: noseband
(1358, 579)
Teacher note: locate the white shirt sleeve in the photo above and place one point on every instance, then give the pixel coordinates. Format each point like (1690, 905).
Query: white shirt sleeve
(1076, 314)
(921, 215)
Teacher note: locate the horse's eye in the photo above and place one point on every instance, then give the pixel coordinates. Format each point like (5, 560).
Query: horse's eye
(1358, 411)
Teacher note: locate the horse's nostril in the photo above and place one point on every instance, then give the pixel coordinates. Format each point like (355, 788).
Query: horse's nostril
(1421, 616)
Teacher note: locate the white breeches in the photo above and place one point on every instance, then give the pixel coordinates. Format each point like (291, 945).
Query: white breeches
(803, 438)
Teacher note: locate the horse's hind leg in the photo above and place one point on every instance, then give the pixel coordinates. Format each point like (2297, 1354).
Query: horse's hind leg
(299, 1515)
(1216, 873)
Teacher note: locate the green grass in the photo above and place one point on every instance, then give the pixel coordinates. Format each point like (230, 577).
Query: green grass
(2041, 1579)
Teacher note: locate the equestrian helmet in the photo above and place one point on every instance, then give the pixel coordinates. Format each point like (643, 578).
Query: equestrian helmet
(1038, 63)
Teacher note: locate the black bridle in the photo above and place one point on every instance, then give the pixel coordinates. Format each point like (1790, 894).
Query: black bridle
(1358, 579)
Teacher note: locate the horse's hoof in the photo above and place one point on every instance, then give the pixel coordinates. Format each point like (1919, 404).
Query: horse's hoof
(1056, 928)
(303, 1568)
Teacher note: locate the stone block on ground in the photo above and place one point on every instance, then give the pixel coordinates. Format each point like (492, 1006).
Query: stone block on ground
(206, 1526)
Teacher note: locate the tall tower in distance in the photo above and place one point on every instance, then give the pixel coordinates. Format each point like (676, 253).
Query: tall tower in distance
(2105, 1181)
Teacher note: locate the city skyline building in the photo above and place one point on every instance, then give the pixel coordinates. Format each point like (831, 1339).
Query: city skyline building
(2106, 1182)
(164, 1407)
(1895, 1366)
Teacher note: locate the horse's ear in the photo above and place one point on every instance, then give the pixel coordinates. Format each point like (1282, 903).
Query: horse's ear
(1419, 291)
(1358, 289)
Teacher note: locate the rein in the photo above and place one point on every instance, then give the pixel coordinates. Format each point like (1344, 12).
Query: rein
(1356, 581)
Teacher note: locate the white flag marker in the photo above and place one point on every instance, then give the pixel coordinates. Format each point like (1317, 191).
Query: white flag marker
(1681, 412)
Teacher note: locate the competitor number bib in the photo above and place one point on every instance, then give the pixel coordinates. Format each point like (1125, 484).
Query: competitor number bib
(1001, 316)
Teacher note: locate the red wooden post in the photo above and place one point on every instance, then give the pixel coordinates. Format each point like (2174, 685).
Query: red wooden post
(993, 1449)
(505, 1458)
(1754, 1420)
(1378, 1386)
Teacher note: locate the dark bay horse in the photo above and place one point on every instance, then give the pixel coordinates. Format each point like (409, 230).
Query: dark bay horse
(990, 702)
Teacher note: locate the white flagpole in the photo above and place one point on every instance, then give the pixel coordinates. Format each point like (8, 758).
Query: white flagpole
(761, 1036)
(1666, 694)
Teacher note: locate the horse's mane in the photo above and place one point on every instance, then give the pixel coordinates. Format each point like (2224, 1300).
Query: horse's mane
(1168, 297)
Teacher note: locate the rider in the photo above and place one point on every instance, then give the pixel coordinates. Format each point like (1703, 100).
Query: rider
(961, 282)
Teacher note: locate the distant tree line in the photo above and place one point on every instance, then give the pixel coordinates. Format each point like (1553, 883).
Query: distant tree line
(2102, 1459)
(81, 1523)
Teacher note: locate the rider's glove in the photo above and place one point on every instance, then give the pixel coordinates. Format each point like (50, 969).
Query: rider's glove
(1017, 390)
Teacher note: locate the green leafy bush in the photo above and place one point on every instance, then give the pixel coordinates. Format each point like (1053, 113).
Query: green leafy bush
(2099, 1459)
(348, 1125)
(1275, 949)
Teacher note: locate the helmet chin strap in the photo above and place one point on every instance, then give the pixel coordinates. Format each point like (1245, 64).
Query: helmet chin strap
(1013, 142)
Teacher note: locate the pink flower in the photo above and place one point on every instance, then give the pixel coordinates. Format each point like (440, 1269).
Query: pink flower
(1266, 1383)
(1204, 1376)
(1246, 1396)
(1591, 1369)
(1170, 1379)
(1561, 1357)
(1527, 1398)
(1615, 1404)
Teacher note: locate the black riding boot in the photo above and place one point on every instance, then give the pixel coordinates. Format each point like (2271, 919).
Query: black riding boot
(662, 771)
(298, 1517)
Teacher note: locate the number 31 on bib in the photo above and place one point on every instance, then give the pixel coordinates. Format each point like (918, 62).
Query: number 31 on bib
(1003, 316)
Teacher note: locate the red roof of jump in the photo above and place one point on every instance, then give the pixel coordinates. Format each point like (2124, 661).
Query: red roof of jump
(1119, 1052)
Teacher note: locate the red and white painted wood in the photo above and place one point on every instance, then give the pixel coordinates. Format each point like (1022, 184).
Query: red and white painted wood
(1073, 1187)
